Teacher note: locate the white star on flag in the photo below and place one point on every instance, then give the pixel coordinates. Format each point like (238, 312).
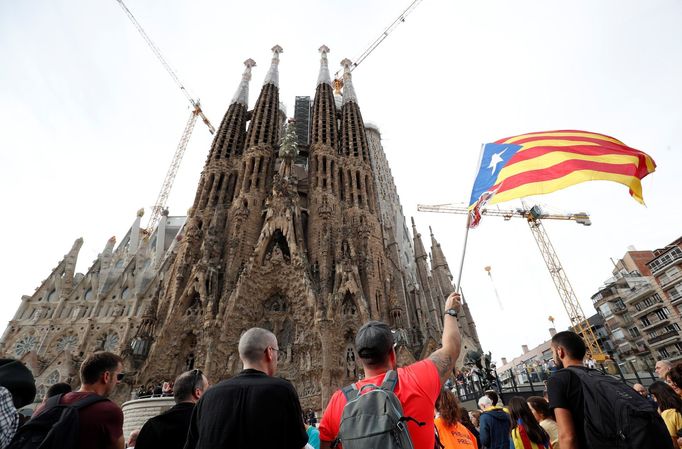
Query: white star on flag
(496, 159)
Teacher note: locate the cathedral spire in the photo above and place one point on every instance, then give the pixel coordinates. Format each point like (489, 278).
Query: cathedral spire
(324, 77)
(324, 128)
(437, 252)
(273, 74)
(242, 94)
(419, 251)
(264, 126)
(348, 90)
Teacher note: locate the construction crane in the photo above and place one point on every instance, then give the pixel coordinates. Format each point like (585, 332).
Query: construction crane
(534, 217)
(196, 112)
(338, 81)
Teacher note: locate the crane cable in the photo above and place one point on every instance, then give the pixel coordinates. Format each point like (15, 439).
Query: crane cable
(195, 103)
(382, 36)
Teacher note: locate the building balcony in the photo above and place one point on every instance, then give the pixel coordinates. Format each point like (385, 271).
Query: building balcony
(675, 298)
(655, 324)
(619, 309)
(638, 292)
(665, 260)
(650, 308)
(664, 339)
(666, 281)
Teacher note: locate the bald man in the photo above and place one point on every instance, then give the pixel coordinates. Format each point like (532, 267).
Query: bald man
(253, 408)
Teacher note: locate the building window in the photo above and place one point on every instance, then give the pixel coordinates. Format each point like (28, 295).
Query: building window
(26, 344)
(645, 321)
(89, 295)
(663, 352)
(67, 343)
(125, 294)
(662, 314)
(53, 378)
(634, 332)
(52, 296)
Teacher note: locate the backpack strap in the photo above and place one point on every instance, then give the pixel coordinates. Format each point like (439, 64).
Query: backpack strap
(390, 380)
(350, 392)
(87, 401)
(52, 402)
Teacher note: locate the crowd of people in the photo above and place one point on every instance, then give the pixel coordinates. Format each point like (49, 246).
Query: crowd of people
(391, 407)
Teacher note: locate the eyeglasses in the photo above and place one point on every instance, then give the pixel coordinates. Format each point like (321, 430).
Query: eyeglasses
(120, 376)
(270, 347)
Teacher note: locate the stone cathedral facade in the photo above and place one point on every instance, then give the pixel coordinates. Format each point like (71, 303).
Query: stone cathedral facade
(309, 244)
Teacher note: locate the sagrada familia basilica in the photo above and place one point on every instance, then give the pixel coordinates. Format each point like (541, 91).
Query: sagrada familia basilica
(296, 227)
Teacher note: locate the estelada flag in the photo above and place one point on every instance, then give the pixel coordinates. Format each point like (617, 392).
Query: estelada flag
(543, 162)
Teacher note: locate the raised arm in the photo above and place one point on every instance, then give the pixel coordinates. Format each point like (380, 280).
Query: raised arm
(446, 357)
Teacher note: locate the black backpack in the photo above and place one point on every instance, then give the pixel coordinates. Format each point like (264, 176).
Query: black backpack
(616, 416)
(56, 427)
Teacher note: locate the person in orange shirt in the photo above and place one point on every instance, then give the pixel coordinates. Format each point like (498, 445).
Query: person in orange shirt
(450, 431)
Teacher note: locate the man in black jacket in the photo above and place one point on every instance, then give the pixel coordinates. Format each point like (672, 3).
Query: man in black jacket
(253, 409)
(169, 429)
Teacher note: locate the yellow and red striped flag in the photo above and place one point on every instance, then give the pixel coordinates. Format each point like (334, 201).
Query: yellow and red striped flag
(543, 162)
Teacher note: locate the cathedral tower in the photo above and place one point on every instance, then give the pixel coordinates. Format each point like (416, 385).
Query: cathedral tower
(309, 245)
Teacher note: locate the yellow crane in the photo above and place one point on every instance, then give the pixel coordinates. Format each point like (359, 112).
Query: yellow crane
(196, 112)
(534, 217)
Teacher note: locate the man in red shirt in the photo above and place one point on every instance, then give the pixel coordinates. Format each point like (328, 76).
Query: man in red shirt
(418, 385)
(101, 423)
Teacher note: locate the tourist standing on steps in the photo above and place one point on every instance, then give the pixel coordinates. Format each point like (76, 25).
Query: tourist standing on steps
(418, 386)
(252, 409)
(169, 429)
(101, 423)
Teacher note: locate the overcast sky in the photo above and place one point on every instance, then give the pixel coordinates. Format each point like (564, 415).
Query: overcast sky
(90, 121)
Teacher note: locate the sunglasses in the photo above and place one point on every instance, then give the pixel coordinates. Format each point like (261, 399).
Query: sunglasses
(196, 377)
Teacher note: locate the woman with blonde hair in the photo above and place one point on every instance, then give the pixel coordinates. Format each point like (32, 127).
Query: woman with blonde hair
(450, 432)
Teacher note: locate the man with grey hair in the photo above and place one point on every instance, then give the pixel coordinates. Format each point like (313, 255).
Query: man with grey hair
(169, 429)
(662, 368)
(252, 409)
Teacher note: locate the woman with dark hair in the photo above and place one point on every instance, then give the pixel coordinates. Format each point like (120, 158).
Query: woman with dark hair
(545, 417)
(465, 419)
(669, 406)
(450, 431)
(526, 433)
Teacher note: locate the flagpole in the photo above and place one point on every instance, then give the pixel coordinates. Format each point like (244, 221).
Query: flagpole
(466, 233)
(464, 251)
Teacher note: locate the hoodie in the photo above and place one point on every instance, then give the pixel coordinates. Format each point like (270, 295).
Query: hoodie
(495, 426)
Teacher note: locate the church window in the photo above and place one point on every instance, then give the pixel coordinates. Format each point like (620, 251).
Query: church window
(26, 344)
(126, 293)
(53, 378)
(119, 263)
(358, 188)
(67, 343)
(342, 186)
(108, 342)
(89, 294)
(52, 296)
